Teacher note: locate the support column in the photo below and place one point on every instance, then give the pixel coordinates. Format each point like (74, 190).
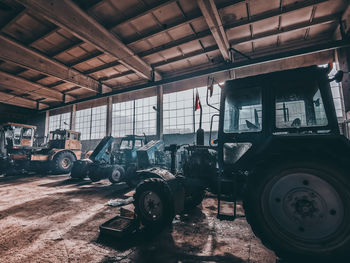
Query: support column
(343, 59)
(72, 117)
(109, 116)
(160, 112)
(47, 118)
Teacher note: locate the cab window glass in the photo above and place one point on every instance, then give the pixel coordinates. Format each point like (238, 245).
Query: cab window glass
(27, 133)
(126, 144)
(74, 136)
(243, 110)
(138, 143)
(299, 104)
(17, 135)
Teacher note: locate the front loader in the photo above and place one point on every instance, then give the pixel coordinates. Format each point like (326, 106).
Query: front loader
(279, 149)
(118, 162)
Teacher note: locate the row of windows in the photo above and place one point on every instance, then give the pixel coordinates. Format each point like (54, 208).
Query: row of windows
(60, 121)
(178, 110)
(138, 114)
(178, 114)
(126, 116)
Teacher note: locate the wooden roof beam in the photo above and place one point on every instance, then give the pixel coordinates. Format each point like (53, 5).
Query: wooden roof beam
(20, 84)
(260, 36)
(266, 15)
(276, 32)
(22, 102)
(213, 19)
(26, 57)
(67, 15)
(255, 19)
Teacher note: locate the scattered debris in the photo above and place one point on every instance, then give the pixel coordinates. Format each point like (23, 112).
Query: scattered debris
(120, 202)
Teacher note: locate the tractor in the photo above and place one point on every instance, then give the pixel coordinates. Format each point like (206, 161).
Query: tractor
(20, 154)
(280, 150)
(118, 161)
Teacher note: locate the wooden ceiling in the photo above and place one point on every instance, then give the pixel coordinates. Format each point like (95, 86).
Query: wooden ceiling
(59, 51)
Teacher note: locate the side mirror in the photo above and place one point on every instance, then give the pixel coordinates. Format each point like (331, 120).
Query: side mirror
(338, 77)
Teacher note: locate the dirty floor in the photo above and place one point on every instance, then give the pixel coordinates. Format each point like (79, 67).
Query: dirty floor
(54, 219)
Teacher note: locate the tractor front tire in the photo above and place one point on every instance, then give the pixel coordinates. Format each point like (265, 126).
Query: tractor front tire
(153, 203)
(80, 169)
(62, 162)
(116, 174)
(301, 210)
(95, 172)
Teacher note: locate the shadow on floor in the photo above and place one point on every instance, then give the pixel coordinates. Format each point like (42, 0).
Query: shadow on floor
(185, 241)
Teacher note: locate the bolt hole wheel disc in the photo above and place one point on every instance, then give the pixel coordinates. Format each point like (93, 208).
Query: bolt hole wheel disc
(304, 207)
(65, 163)
(151, 206)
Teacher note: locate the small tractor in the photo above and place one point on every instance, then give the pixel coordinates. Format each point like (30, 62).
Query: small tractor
(280, 150)
(20, 155)
(117, 161)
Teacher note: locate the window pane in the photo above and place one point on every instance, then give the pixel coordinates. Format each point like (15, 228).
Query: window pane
(299, 104)
(243, 110)
(83, 123)
(98, 124)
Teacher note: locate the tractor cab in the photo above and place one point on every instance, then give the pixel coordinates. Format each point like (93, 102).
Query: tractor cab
(126, 152)
(18, 135)
(64, 139)
(260, 109)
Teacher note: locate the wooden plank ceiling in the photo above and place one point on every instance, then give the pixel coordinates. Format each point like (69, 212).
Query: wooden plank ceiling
(57, 51)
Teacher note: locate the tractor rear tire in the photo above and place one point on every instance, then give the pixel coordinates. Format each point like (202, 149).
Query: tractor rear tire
(301, 210)
(62, 162)
(153, 203)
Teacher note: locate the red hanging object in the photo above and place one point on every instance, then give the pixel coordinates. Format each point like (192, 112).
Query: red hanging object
(197, 104)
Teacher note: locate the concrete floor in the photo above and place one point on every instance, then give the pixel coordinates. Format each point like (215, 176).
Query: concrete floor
(53, 219)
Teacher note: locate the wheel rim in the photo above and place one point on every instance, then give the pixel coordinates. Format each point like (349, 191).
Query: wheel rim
(305, 207)
(116, 176)
(151, 205)
(65, 163)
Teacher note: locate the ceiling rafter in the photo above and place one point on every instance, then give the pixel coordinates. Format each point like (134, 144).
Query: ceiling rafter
(8, 98)
(293, 51)
(20, 84)
(98, 53)
(149, 9)
(153, 7)
(240, 23)
(213, 19)
(251, 20)
(185, 21)
(67, 15)
(14, 19)
(26, 57)
(278, 31)
(260, 36)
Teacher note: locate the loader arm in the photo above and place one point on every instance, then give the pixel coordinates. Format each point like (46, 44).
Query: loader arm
(100, 153)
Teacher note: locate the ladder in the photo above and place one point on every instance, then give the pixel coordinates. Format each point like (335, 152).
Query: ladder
(230, 198)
